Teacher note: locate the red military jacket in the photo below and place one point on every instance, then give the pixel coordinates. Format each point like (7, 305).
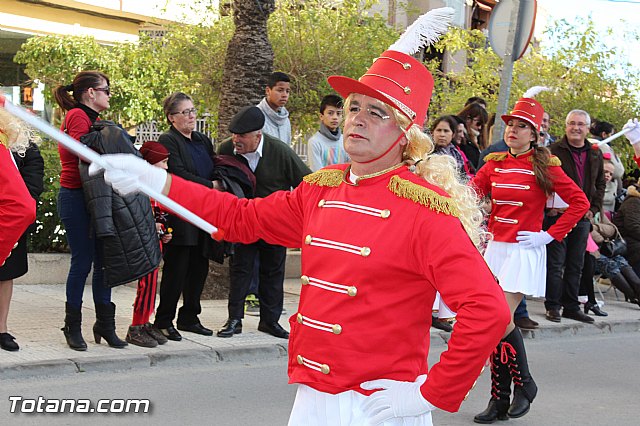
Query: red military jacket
(517, 202)
(373, 256)
(17, 207)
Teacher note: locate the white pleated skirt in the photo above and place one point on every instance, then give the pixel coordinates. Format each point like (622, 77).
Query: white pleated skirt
(441, 310)
(520, 270)
(315, 408)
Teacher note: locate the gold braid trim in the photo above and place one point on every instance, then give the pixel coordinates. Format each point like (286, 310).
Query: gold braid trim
(496, 156)
(555, 161)
(421, 195)
(4, 139)
(325, 177)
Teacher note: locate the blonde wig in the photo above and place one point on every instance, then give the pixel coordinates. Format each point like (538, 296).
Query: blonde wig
(441, 170)
(14, 134)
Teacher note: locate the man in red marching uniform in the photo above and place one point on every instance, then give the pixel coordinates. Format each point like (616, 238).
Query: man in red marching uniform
(378, 240)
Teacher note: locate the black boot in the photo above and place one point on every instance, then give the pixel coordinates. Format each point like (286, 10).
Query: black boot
(72, 328)
(632, 279)
(105, 326)
(620, 282)
(500, 389)
(524, 388)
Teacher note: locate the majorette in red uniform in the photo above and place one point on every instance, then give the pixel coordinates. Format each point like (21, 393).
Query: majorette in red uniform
(633, 136)
(375, 249)
(17, 207)
(517, 253)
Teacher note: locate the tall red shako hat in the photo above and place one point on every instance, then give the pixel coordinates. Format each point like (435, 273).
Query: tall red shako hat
(528, 109)
(396, 78)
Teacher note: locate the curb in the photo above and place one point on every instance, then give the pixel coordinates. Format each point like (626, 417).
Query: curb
(126, 362)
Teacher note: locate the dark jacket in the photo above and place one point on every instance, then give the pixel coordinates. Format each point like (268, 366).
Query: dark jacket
(181, 164)
(627, 219)
(594, 183)
(31, 168)
(125, 225)
(279, 169)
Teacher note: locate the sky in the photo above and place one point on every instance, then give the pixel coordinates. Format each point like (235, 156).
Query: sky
(605, 13)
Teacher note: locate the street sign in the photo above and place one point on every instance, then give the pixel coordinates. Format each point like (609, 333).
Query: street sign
(501, 23)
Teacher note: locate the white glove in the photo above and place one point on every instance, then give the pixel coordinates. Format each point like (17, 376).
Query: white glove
(126, 173)
(634, 134)
(397, 399)
(528, 239)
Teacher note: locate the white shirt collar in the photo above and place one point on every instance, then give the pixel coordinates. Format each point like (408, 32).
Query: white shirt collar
(254, 157)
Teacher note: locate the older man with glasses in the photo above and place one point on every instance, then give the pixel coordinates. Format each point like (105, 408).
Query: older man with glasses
(565, 259)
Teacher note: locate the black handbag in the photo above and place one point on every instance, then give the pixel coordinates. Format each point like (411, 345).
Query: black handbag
(614, 247)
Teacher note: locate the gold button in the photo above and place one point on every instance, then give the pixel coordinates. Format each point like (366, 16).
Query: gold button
(299, 358)
(496, 169)
(407, 90)
(304, 280)
(365, 251)
(494, 201)
(493, 184)
(385, 213)
(527, 187)
(521, 204)
(515, 221)
(325, 369)
(352, 291)
(299, 318)
(308, 239)
(336, 328)
(406, 66)
(321, 203)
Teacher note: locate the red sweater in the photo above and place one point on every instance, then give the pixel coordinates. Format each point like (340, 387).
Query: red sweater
(17, 207)
(77, 124)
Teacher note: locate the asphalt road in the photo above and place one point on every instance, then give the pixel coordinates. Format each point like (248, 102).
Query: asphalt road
(591, 380)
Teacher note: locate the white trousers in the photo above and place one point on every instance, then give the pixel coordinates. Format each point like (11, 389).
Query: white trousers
(315, 408)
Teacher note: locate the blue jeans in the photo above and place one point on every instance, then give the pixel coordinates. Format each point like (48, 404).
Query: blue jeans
(521, 310)
(85, 249)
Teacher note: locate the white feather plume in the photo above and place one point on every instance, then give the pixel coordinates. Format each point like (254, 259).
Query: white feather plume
(426, 30)
(535, 90)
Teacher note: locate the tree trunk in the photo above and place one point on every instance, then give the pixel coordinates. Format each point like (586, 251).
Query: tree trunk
(248, 62)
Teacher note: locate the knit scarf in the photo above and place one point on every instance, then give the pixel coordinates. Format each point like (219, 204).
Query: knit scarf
(278, 117)
(324, 131)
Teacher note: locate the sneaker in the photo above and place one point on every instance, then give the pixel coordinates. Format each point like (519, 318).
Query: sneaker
(252, 305)
(139, 337)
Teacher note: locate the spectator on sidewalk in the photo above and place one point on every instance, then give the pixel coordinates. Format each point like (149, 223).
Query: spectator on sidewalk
(141, 332)
(16, 140)
(475, 118)
(601, 130)
(395, 217)
(90, 95)
(627, 219)
(565, 258)
(519, 182)
(442, 131)
(325, 146)
(276, 168)
(546, 138)
(277, 123)
(186, 259)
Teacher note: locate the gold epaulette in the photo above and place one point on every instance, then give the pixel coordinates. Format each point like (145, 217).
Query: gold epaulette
(496, 156)
(4, 139)
(325, 177)
(555, 161)
(422, 195)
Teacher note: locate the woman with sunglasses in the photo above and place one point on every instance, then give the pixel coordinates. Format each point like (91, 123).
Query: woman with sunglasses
(83, 100)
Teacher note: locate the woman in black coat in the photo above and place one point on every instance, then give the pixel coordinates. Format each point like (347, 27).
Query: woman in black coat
(31, 167)
(186, 260)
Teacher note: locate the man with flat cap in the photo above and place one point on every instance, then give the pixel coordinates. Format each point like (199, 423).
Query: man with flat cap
(276, 167)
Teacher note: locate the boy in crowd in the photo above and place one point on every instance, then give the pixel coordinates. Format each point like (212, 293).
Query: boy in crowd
(277, 123)
(325, 146)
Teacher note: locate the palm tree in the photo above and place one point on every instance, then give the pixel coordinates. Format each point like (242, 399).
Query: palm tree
(248, 62)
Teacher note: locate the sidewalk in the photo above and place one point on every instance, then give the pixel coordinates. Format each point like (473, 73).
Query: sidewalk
(37, 313)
